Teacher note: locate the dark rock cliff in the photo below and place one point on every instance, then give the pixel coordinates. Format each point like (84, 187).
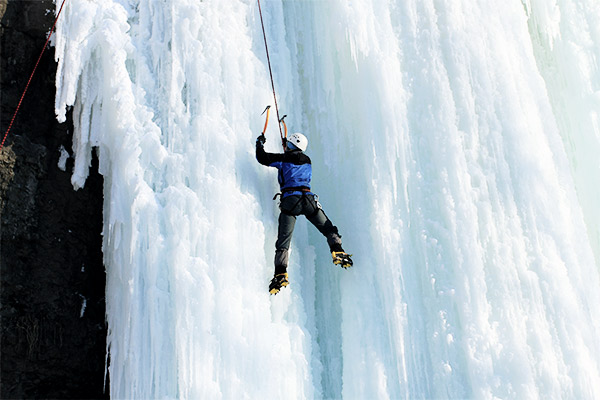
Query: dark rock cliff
(53, 331)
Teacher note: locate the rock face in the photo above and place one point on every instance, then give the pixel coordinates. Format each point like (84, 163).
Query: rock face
(53, 331)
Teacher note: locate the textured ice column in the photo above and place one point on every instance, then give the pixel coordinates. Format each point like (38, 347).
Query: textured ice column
(566, 40)
(437, 151)
(170, 94)
(444, 155)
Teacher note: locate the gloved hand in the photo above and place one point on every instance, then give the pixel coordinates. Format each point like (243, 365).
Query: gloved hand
(260, 141)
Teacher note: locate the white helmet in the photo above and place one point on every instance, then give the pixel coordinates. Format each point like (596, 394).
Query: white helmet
(298, 140)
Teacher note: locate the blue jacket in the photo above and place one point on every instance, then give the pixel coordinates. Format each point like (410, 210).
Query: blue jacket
(295, 169)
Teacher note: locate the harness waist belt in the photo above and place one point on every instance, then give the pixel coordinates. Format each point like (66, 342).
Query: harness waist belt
(296, 189)
(302, 189)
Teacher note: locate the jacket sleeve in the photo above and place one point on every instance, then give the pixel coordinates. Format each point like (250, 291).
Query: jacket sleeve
(267, 158)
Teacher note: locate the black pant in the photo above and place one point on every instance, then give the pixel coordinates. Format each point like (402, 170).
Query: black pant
(307, 205)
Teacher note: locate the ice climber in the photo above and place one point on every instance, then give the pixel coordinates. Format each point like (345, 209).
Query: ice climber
(295, 172)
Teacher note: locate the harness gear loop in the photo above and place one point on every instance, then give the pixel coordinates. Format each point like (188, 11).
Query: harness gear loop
(270, 70)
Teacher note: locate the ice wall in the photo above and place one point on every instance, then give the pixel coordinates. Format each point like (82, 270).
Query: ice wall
(435, 135)
(566, 39)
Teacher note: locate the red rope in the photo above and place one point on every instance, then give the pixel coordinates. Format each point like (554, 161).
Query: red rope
(31, 76)
(271, 74)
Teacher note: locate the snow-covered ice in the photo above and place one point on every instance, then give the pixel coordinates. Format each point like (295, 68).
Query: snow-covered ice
(62, 160)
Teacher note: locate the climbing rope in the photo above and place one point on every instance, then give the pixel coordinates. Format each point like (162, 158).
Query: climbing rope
(271, 74)
(31, 76)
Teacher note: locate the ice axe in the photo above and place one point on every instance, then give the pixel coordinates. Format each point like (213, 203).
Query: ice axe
(284, 138)
(267, 120)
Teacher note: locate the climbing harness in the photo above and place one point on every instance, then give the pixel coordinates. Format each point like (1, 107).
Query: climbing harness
(283, 138)
(305, 195)
(31, 76)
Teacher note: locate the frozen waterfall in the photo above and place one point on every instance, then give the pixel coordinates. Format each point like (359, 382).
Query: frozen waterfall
(454, 143)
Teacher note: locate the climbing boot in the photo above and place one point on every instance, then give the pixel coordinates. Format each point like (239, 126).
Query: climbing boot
(278, 281)
(342, 259)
